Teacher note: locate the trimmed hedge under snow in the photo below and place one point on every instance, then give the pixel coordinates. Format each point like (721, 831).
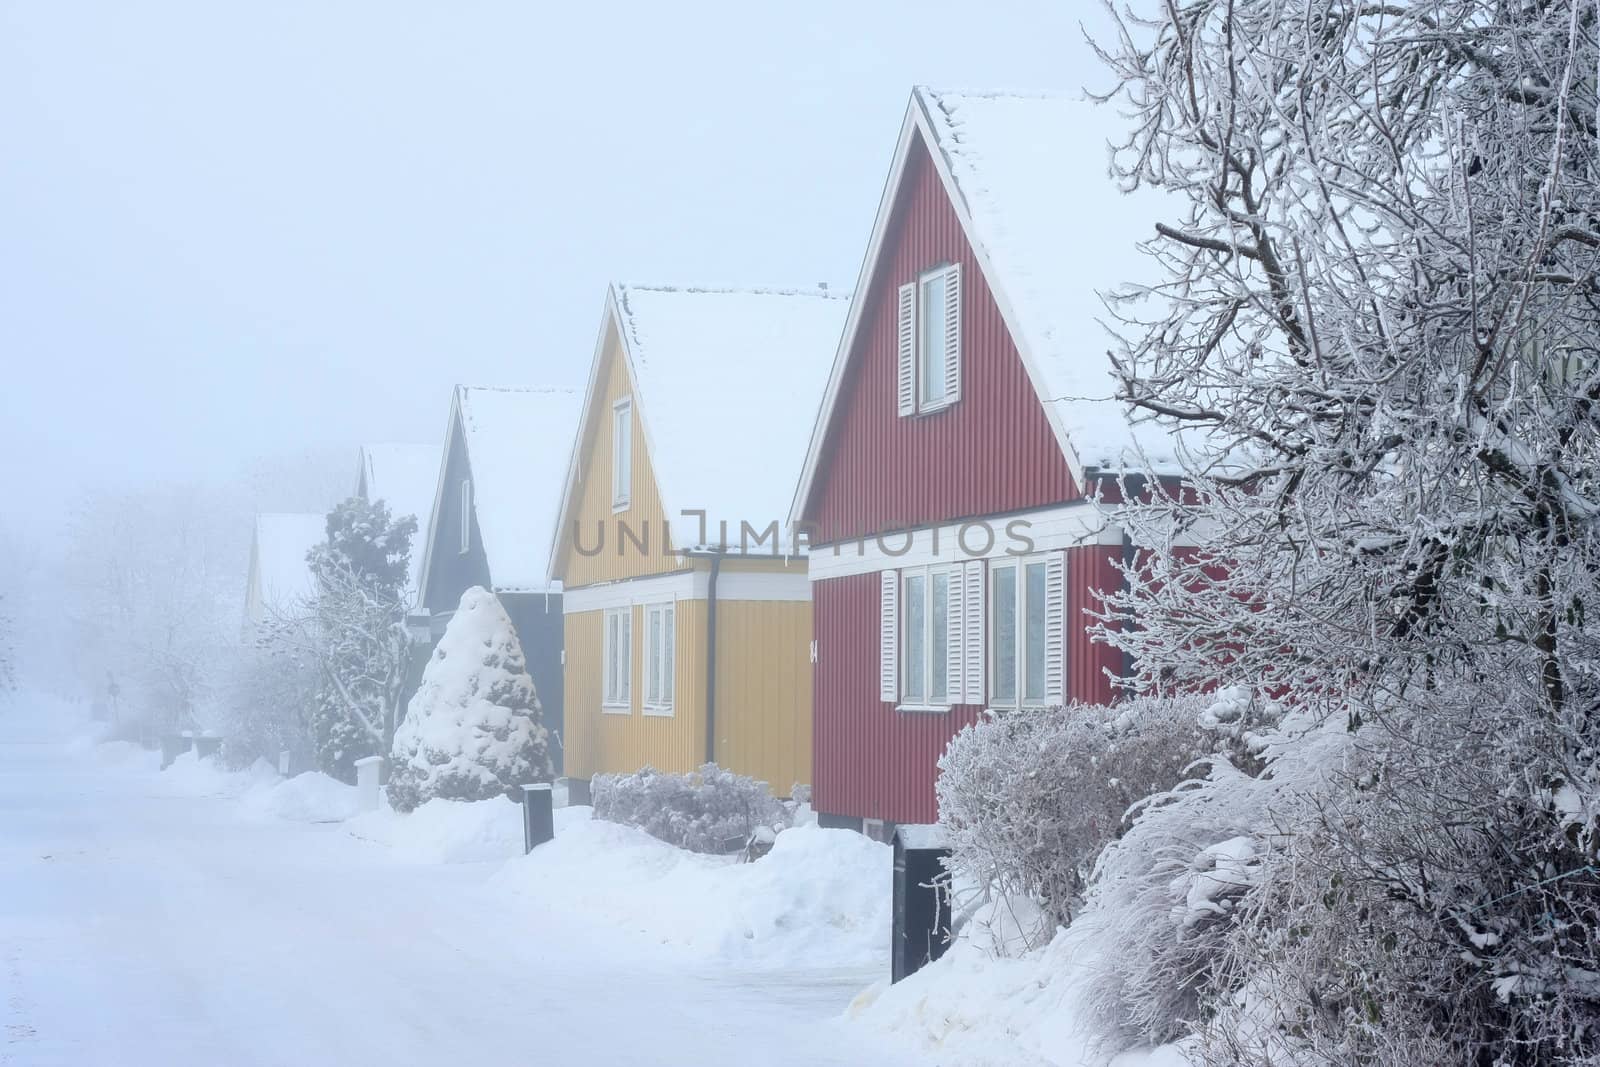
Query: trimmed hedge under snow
(710, 810)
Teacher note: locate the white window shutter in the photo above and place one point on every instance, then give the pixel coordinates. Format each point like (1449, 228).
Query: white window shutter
(889, 636)
(906, 374)
(972, 643)
(955, 634)
(952, 334)
(1055, 591)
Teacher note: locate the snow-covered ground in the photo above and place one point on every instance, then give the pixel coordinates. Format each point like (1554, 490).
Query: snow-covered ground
(192, 916)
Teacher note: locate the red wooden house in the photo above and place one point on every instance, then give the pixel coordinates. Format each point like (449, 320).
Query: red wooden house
(966, 424)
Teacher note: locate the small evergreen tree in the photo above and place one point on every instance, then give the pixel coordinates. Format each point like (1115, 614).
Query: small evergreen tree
(472, 731)
(360, 626)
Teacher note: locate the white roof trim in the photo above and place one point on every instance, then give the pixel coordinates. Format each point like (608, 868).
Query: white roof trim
(438, 490)
(916, 121)
(609, 319)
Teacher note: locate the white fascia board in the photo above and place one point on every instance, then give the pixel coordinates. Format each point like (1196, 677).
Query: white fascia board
(989, 537)
(687, 585)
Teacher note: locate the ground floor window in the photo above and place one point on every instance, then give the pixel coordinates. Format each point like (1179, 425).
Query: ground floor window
(1020, 623)
(661, 640)
(617, 657)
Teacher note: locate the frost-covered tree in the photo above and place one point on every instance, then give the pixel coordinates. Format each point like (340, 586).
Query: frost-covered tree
(1376, 320)
(359, 635)
(472, 730)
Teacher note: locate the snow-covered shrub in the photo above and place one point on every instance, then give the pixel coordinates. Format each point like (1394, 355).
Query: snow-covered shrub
(1166, 893)
(710, 810)
(472, 729)
(1029, 798)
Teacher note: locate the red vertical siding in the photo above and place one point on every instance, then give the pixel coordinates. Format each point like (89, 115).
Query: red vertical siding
(1091, 570)
(870, 760)
(993, 452)
(876, 763)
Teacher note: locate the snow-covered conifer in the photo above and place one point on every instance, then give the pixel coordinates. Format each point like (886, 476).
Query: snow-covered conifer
(472, 729)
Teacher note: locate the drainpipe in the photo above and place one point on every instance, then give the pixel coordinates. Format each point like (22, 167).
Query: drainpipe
(711, 658)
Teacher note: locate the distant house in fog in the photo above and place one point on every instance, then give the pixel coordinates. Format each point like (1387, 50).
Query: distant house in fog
(493, 516)
(279, 577)
(404, 477)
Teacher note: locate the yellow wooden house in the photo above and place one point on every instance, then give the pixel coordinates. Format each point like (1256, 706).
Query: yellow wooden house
(687, 610)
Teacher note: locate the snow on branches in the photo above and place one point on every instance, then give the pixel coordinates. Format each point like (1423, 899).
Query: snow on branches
(1375, 332)
(1028, 799)
(472, 730)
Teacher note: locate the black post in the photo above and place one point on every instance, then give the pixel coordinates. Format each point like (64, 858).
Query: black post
(538, 816)
(921, 903)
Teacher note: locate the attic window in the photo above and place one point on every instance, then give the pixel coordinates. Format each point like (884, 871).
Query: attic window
(466, 515)
(621, 453)
(929, 341)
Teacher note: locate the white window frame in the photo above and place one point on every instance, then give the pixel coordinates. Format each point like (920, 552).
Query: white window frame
(466, 515)
(926, 355)
(621, 453)
(616, 677)
(930, 351)
(660, 671)
(904, 637)
(1018, 668)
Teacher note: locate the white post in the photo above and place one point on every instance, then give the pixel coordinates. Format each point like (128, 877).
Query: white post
(368, 770)
(283, 763)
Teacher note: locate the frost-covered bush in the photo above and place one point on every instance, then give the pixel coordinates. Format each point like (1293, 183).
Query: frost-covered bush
(711, 810)
(1166, 892)
(1029, 798)
(472, 729)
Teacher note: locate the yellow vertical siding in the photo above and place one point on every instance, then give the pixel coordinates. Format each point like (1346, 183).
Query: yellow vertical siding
(592, 501)
(764, 690)
(602, 741)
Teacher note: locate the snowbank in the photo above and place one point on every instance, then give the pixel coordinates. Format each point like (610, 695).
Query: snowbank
(446, 831)
(820, 898)
(973, 1007)
(309, 797)
(191, 776)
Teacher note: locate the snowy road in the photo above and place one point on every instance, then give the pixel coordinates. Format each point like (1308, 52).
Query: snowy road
(138, 928)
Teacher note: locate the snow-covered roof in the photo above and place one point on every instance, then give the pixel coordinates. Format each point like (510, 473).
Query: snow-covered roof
(403, 476)
(517, 442)
(725, 383)
(279, 574)
(1027, 176)
(1053, 230)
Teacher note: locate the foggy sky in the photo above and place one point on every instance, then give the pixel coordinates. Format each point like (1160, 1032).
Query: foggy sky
(232, 230)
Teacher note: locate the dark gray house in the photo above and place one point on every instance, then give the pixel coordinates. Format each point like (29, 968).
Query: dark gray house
(493, 518)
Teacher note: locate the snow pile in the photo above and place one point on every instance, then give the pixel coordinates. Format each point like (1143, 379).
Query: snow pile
(125, 754)
(191, 776)
(821, 898)
(972, 1007)
(309, 797)
(446, 831)
(472, 730)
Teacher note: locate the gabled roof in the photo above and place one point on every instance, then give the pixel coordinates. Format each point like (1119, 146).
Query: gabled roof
(724, 383)
(404, 477)
(279, 574)
(1026, 176)
(515, 440)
